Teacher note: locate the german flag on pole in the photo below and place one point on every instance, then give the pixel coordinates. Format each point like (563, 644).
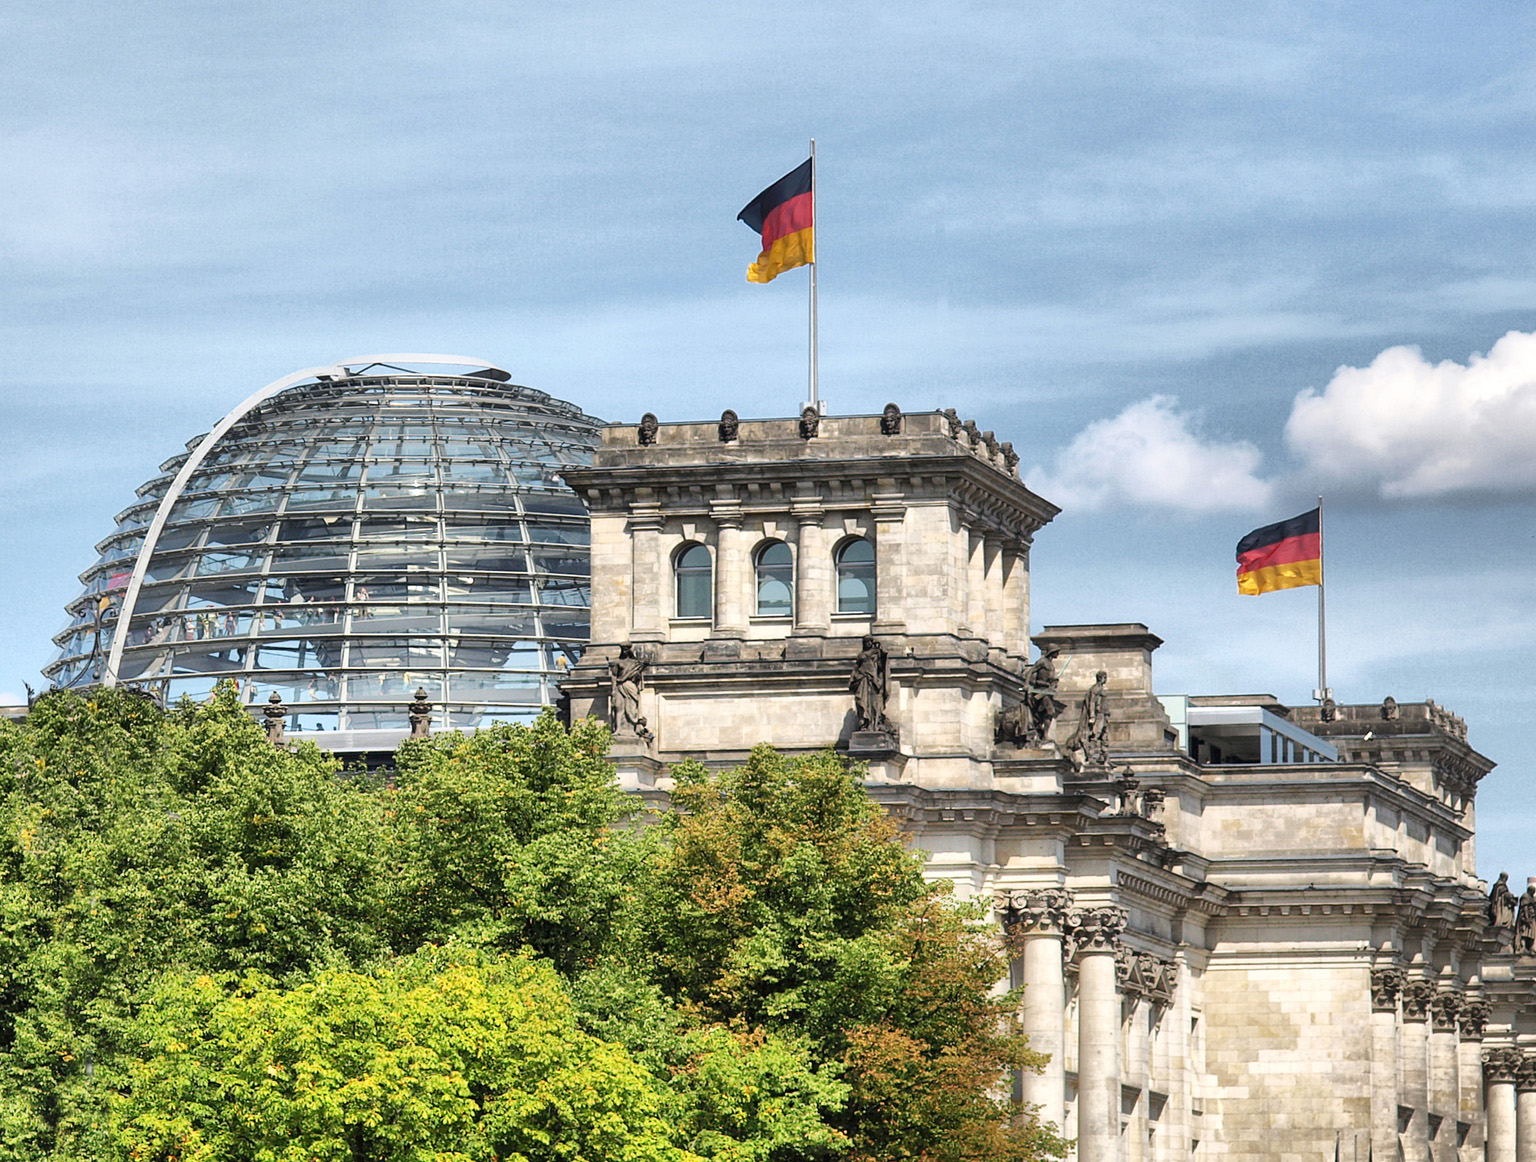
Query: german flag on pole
(782, 215)
(1286, 555)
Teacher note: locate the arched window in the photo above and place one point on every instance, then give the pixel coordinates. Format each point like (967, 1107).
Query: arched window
(856, 576)
(694, 574)
(775, 580)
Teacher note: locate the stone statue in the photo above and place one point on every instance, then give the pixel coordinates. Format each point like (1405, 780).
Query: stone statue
(276, 715)
(626, 678)
(1389, 708)
(730, 424)
(1040, 682)
(1091, 738)
(890, 420)
(1525, 923)
(1329, 711)
(810, 422)
(649, 426)
(421, 714)
(1502, 903)
(870, 684)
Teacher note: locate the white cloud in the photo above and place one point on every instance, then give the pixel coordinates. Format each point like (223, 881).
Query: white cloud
(1405, 427)
(1150, 455)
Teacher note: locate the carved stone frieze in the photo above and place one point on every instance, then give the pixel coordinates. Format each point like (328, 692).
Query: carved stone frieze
(1035, 910)
(1474, 1016)
(1418, 995)
(1386, 983)
(1094, 929)
(1444, 1009)
(1501, 1064)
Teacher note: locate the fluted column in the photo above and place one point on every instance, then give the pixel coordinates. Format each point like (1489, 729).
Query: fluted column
(1525, 1109)
(1095, 935)
(1417, 996)
(1499, 1067)
(1037, 919)
(813, 576)
(1474, 1015)
(730, 577)
(1386, 983)
(1442, 1072)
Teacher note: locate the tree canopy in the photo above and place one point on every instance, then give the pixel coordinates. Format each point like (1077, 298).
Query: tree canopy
(211, 947)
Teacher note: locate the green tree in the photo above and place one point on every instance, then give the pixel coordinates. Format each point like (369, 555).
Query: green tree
(785, 901)
(447, 1056)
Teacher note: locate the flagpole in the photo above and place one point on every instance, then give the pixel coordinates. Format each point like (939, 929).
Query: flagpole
(1323, 693)
(815, 400)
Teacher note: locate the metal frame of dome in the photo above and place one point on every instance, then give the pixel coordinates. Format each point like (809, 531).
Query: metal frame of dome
(578, 434)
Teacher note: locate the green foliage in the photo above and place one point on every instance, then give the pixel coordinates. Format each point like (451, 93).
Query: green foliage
(442, 1057)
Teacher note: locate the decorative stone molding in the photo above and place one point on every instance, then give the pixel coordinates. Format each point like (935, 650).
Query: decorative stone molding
(1418, 995)
(1444, 1009)
(1501, 1064)
(1035, 910)
(1474, 1015)
(1386, 983)
(1525, 1072)
(1094, 929)
(1140, 974)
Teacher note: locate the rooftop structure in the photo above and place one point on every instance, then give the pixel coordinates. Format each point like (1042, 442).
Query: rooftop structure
(348, 535)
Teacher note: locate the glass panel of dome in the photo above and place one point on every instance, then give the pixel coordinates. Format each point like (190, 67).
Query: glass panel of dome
(252, 502)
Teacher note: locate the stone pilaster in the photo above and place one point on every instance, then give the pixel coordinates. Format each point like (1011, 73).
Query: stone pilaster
(992, 566)
(889, 514)
(651, 580)
(1016, 600)
(1036, 921)
(1414, 1069)
(1499, 1068)
(813, 576)
(730, 577)
(1094, 936)
(976, 586)
(1443, 1102)
(1386, 984)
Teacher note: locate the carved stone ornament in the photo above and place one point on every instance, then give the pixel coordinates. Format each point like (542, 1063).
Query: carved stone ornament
(420, 714)
(955, 426)
(1389, 708)
(1010, 458)
(1501, 1064)
(1094, 929)
(1445, 1009)
(1038, 910)
(990, 440)
(810, 422)
(730, 425)
(972, 433)
(1140, 974)
(649, 426)
(1329, 711)
(276, 716)
(1525, 1072)
(1386, 983)
(1474, 1016)
(1418, 995)
(890, 420)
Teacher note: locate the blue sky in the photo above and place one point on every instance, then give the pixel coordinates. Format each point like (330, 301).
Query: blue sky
(1140, 241)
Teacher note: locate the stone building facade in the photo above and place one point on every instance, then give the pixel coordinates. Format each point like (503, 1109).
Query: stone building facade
(1245, 930)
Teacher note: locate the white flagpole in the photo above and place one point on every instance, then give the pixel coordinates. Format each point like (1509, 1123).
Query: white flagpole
(1323, 693)
(815, 400)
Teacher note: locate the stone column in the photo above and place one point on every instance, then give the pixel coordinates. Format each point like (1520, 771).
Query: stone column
(1474, 1015)
(1386, 983)
(889, 513)
(976, 584)
(651, 585)
(1095, 935)
(730, 577)
(1499, 1067)
(1417, 995)
(1525, 1109)
(1036, 919)
(1442, 1072)
(992, 565)
(1016, 600)
(813, 576)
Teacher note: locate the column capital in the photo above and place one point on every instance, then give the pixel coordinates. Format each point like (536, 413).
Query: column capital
(1502, 1063)
(1140, 974)
(1094, 929)
(1027, 910)
(1386, 983)
(1417, 997)
(1525, 1073)
(1445, 1008)
(1474, 1015)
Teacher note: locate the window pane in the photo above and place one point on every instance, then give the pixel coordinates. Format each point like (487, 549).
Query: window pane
(775, 580)
(856, 577)
(695, 582)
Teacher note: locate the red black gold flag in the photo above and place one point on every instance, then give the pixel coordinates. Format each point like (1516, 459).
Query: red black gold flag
(782, 215)
(1285, 555)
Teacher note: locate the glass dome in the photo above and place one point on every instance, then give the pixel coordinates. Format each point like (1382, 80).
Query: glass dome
(345, 536)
